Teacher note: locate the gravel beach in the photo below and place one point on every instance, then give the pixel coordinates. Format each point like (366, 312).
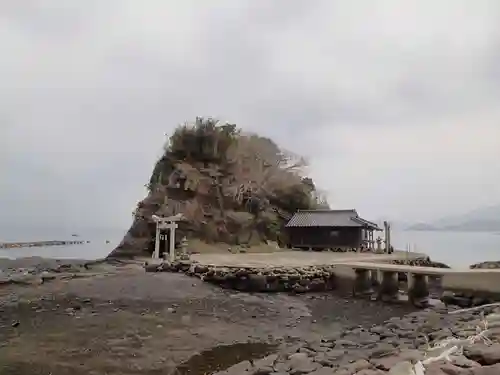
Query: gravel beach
(109, 319)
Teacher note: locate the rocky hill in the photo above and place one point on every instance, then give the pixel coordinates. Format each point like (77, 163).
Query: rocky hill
(231, 187)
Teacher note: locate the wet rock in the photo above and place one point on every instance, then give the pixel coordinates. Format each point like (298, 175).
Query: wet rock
(262, 370)
(387, 363)
(5, 281)
(440, 368)
(486, 370)
(301, 363)
(378, 330)
(317, 285)
(239, 368)
(401, 368)
(257, 283)
(464, 362)
(323, 371)
(381, 350)
(26, 279)
(47, 276)
(151, 267)
(343, 343)
(370, 372)
(309, 352)
(441, 334)
(360, 364)
(363, 338)
(483, 354)
(69, 311)
(266, 361)
(299, 289)
(165, 266)
(281, 367)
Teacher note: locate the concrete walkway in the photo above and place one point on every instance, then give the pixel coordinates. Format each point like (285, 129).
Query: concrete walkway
(484, 280)
(372, 264)
(295, 258)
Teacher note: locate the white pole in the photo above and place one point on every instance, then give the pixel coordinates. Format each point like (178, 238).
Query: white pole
(156, 254)
(172, 241)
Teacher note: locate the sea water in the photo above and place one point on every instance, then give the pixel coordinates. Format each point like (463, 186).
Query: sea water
(456, 249)
(100, 243)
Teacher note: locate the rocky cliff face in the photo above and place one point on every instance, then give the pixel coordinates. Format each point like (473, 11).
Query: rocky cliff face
(230, 187)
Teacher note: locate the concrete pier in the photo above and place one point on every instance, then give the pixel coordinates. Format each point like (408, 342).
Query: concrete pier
(363, 282)
(362, 274)
(384, 285)
(418, 289)
(389, 286)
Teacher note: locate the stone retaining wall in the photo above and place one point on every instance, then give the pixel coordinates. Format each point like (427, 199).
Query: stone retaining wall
(297, 280)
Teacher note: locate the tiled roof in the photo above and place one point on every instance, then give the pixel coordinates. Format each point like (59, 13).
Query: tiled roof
(329, 218)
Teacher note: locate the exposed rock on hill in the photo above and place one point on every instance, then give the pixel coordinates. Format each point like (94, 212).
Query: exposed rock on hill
(231, 187)
(420, 262)
(486, 265)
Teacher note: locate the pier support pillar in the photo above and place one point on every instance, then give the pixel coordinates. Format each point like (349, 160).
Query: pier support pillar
(418, 289)
(389, 286)
(363, 282)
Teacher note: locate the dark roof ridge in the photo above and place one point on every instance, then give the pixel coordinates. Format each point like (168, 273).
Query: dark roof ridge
(328, 217)
(364, 221)
(329, 210)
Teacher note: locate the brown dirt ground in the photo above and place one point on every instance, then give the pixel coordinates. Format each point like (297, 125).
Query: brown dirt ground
(131, 322)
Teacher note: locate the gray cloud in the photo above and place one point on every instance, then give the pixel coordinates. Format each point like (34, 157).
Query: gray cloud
(395, 104)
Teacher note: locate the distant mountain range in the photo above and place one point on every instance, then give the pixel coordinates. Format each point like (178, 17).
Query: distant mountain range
(486, 219)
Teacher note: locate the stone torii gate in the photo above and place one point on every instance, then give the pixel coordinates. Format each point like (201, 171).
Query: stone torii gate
(169, 223)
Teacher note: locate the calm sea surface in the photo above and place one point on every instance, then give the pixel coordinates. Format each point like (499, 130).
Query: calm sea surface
(97, 248)
(457, 249)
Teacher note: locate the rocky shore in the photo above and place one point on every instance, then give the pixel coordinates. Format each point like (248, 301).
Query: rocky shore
(37, 270)
(467, 345)
(181, 326)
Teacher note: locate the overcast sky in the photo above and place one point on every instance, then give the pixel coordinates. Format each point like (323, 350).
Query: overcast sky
(395, 103)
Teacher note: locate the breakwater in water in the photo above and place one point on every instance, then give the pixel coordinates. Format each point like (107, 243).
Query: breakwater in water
(14, 245)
